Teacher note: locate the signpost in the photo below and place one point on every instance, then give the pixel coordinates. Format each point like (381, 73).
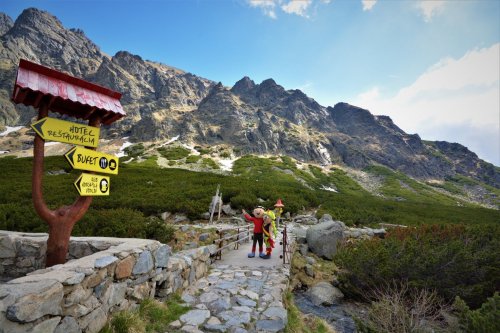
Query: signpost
(92, 185)
(53, 129)
(47, 90)
(85, 159)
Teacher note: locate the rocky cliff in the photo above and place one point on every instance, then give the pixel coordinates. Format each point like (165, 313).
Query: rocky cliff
(162, 102)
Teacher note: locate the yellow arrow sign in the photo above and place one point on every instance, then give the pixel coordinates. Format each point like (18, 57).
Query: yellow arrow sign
(92, 185)
(65, 131)
(90, 160)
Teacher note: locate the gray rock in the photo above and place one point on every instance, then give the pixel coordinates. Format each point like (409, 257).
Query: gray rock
(228, 210)
(68, 324)
(76, 279)
(208, 297)
(144, 263)
(184, 228)
(304, 249)
(323, 293)
(270, 325)
(322, 238)
(203, 237)
(219, 305)
(117, 293)
(188, 298)
(309, 270)
(215, 328)
(162, 255)
(165, 215)
(325, 218)
(245, 301)
(238, 319)
(47, 326)
(7, 247)
(195, 317)
(205, 216)
(39, 299)
(105, 261)
(94, 321)
(276, 313)
(310, 260)
(79, 249)
(178, 218)
(305, 219)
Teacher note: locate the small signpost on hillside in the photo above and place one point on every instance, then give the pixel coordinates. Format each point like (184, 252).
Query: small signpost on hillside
(46, 89)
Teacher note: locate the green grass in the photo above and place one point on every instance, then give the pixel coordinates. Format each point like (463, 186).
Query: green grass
(152, 316)
(209, 163)
(298, 323)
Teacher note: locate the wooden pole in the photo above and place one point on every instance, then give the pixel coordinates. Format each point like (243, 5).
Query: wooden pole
(61, 220)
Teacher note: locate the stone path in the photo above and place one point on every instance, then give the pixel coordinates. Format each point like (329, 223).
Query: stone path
(239, 295)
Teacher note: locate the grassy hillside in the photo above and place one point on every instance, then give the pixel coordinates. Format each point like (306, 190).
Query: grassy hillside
(143, 189)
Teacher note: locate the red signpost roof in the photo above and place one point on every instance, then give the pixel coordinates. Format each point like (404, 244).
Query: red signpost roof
(67, 94)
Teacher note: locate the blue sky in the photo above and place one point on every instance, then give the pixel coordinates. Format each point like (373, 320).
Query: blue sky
(433, 66)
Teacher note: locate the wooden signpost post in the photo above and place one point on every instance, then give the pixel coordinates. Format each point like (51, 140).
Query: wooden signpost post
(46, 89)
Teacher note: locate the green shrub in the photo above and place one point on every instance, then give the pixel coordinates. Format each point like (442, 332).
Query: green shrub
(134, 150)
(210, 163)
(225, 155)
(483, 320)
(451, 259)
(174, 153)
(193, 159)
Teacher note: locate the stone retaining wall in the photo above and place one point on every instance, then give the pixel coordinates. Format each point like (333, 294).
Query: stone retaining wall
(79, 295)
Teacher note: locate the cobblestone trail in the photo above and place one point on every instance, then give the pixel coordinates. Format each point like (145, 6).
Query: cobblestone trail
(239, 295)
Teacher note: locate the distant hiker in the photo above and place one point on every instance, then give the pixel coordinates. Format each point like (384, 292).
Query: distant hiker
(258, 221)
(270, 233)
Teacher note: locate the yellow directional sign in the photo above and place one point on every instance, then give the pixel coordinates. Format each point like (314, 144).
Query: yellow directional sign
(65, 131)
(92, 185)
(90, 160)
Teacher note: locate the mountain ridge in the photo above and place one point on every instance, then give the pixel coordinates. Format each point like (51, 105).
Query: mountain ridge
(162, 102)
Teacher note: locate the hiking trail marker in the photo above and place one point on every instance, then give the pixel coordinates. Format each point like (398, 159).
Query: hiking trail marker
(52, 129)
(46, 89)
(91, 160)
(92, 185)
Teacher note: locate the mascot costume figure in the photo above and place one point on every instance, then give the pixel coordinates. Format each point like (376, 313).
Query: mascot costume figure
(270, 233)
(258, 221)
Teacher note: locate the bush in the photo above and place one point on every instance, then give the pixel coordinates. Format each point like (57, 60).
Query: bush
(134, 150)
(399, 308)
(210, 163)
(174, 153)
(483, 320)
(193, 159)
(451, 259)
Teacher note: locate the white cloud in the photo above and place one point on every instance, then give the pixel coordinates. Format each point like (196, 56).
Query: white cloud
(368, 4)
(298, 7)
(430, 8)
(295, 7)
(455, 100)
(267, 6)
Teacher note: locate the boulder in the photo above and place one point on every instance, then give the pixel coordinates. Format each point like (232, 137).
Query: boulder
(305, 219)
(165, 215)
(203, 237)
(323, 293)
(205, 216)
(322, 238)
(325, 218)
(228, 210)
(178, 218)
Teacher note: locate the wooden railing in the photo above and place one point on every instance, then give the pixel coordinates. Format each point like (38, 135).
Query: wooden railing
(225, 241)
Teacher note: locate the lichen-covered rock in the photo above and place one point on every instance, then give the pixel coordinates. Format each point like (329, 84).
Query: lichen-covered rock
(322, 239)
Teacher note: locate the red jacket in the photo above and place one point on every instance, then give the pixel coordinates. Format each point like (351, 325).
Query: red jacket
(257, 223)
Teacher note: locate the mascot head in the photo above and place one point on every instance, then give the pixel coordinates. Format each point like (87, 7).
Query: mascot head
(258, 212)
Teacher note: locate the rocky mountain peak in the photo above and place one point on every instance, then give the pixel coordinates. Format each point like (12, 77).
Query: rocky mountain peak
(5, 23)
(243, 86)
(33, 18)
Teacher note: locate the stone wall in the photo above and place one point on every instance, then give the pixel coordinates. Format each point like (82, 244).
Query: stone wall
(79, 295)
